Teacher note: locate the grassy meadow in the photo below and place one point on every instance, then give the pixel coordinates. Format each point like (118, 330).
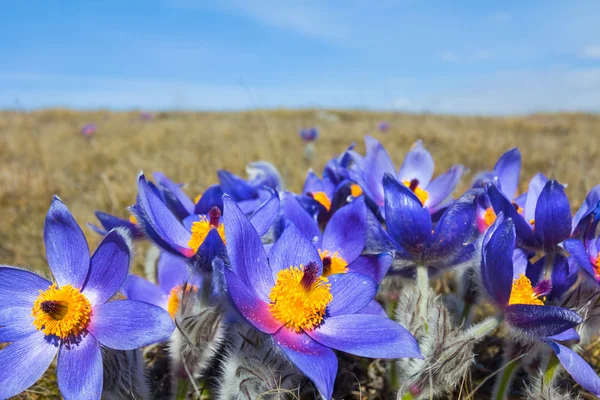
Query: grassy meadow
(43, 153)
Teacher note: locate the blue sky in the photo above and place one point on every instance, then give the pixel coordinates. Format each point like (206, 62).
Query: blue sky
(468, 57)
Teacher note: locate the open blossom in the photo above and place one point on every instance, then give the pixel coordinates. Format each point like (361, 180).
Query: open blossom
(72, 316)
(415, 173)
(523, 305)
(286, 296)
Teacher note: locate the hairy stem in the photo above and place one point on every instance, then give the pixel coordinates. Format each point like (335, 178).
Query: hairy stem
(503, 383)
(423, 286)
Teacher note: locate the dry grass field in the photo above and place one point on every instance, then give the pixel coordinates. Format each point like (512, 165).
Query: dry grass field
(43, 153)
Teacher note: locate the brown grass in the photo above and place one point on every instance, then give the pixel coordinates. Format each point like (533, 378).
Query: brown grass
(43, 153)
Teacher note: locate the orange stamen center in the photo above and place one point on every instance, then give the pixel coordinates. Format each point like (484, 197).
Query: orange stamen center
(200, 229)
(421, 193)
(62, 312)
(323, 199)
(355, 190)
(333, 263)
(523, 293)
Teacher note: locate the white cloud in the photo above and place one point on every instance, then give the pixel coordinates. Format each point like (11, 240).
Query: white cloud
(592, 52)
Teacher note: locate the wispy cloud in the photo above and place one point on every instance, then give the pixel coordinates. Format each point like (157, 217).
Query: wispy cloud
(590, 52)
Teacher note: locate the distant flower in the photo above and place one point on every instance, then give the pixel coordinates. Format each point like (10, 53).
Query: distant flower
(383, 126)
(263, 173)
(146, 116)
(523, 306)
(73, 316)
(309, 134)
(88, 130)
(415, 173)
(110, 222)
(308, 315)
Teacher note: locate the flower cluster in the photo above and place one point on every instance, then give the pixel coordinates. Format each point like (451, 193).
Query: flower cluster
(282, 282)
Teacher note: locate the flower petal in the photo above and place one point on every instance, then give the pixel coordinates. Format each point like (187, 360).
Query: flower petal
(346, 231)
(110, 222)
(139, 289)
(375, 266)
(351, 293)
(577, 251)
(23, 362)
(108, 268)
(79, 371)
(175, 197)
(366, 335)
(508, 169)
(418, 164)
(305, 223)
(159, 222)
(536, 185)
(254, 309)
(377, 164)
(171, 271)
(577, 367)
(312, 183)
(292, 250)
(67, 250)
(589, 205)
(502, 205)
(235, 186)
(442, 187)
(265, 215)
(19, 288)
(497, 265)
(317, 362)
(541, 321)
(569, 334)
(212, 197)
(407, 221)
(246, 253)
(129, 324)
(15, 323)
(563, 277)
(373, 308)
(552, 215)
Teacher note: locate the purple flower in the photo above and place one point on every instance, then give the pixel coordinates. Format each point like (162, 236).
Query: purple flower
(89, 130)
(341, 244)
(146, 116)
(586, 252)
(544, 220)
(73, 316)
(263, 173)
(198, 237)
(415, 173)
(173, 278)
(309, 134)
(587, 214)
(110, 222)
(503, 277)
(383, 126)
(413, 235)
(266, 291)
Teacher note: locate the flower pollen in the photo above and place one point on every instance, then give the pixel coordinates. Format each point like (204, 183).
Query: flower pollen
(62, 312)
(133, 219)
(421, 193)
(322, 199)
(523, 293)
(333, 263)
(355, 190)
(300, 297)
(201, 228)
(489, 217)
(174, 301)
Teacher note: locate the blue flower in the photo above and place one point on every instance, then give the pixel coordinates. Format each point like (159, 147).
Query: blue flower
(522, 304)
(266, 291)
(110, 222)
(72, 316)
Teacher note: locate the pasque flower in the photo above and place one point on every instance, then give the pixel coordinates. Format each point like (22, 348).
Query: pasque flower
(110, 222)
(307, 314)
(71, 316)
(199, 237)
(309, 134)
(413, 236)
(523, 306)
(415, 173)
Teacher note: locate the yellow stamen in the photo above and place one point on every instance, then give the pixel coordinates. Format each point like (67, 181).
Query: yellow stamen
(522, 293)
(133, 219)
(200, 230)
(333, 263)
(323, 199)
(596, 265)
(355, 190)
(489, 217)
(297, 305)
(175, 297)
(532, 222)
(197, 198)
(63, 312)
(421, 193)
